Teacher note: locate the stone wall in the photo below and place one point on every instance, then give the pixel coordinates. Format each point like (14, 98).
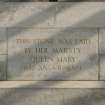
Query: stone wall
(52, 53)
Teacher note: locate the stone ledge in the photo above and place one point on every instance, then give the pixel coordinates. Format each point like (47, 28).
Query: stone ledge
(52, 84)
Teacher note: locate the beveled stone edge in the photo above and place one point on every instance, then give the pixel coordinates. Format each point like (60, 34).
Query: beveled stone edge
(52, 84)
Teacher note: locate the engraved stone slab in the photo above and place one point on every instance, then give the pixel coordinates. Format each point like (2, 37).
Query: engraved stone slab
(3, 41)
(52, 54)
(3, 67)
(52, 96)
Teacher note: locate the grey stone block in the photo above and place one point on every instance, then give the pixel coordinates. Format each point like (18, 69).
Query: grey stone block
(5, 15)
(52, 96)
(52, 54)
(102, 40)
(3, 41)
(3, 67)
(32, 15)
(52, 14)
(102, 67)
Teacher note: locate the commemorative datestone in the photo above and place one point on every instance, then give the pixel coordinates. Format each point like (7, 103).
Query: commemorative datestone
(52, 54)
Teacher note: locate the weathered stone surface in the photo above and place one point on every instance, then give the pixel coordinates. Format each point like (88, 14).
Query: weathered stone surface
(5, 15)
(3, 67)
(102, 67)
(102, 41)
(52, 54)
(32, 15)
(102, 52)
(3, 53)
(52, 14)
(52, 96)
(17, 14)
(3, 41)
(80, 15)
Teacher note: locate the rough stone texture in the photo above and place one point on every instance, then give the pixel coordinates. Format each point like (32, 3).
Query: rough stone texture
(3, 67)
(52, 96)
(50, 0)
(75, 15)
(3, 41)
(5, 16)
(31, 15)
(25, 64)
(102, 40)
(3, 53)
(102, 67)
(52, 14)
(102, 52)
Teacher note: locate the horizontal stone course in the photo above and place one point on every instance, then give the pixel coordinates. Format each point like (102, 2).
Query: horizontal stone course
(52, 14)
(52, 96)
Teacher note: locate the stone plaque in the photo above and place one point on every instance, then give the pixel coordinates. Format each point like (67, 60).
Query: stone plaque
(52, 54)
(52, 96)
(3, 67)
(3, 41)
